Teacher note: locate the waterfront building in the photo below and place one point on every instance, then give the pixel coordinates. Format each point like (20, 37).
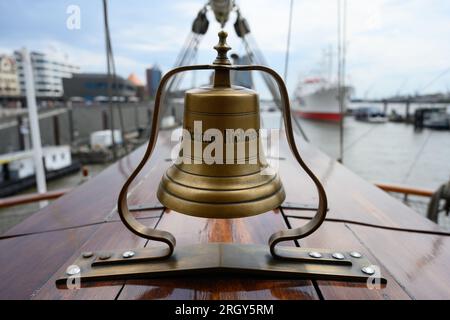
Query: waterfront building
(141, 91)
(94, 87)
(153, 78)
(9, 81)
(242, 78)
(48, 71)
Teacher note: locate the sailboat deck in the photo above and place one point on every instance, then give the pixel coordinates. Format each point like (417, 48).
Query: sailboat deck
(361, 217)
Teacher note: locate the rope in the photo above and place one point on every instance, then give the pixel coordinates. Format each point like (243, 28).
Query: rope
(288, 43)
(421, 231)
(19, 235)
(417, 157)
(431, 232)
(112, 82)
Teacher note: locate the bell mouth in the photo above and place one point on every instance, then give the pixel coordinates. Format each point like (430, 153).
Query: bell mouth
(220, 197)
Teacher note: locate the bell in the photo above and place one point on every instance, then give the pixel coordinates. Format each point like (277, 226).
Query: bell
(221, 171)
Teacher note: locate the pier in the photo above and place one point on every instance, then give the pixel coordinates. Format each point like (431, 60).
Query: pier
(71, 124)
(433, 100)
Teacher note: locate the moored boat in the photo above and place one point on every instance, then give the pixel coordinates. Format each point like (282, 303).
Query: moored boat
(17, 171)
(370, 114)
(318, 98)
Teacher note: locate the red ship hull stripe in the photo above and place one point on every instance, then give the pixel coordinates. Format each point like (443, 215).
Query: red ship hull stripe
(319, 115)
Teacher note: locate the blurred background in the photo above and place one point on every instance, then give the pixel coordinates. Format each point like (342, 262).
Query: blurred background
(369, 83)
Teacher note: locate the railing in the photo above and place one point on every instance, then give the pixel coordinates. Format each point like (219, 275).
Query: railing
(29, 198)
(417, 199)
(405, 190)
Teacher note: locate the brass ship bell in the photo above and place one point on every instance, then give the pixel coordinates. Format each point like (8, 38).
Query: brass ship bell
(230, 180)
(221, 168)
(206, 182)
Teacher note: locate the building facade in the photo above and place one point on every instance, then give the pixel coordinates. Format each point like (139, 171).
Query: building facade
(141, 91)
(9, 80)
(153, 75)
(94, 87)
(48, 72)
(242, 78)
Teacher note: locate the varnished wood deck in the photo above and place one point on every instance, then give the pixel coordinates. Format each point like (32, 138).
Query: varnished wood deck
(416, 265)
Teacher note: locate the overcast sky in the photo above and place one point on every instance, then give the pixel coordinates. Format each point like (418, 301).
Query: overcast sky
(393, 45)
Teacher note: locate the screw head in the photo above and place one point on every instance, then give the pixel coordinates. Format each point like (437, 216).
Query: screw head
(128, 254)
(355, 254)
(73, 270)
(338, 255)
(368, 270)
(315, 254)
(105, 256)
(87, 254)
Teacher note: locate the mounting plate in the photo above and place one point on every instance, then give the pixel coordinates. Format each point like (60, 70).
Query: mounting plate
(218, 258)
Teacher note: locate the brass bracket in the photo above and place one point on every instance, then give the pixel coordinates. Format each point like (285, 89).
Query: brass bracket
(220, 258)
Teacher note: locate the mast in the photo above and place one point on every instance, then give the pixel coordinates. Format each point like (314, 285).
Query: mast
(288, 42)
(341, 38)
(34, 126)
(110, 80)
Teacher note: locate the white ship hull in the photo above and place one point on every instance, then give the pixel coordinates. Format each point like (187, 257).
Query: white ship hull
(322, 104)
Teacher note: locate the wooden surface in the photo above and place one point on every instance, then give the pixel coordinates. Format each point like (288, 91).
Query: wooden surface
(35, 252)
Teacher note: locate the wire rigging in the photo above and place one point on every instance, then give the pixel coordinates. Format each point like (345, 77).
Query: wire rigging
(288, 42)
(440, 75)
(112, 83)
(341, 48)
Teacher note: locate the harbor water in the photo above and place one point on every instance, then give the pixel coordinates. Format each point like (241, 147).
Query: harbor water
(386, 152)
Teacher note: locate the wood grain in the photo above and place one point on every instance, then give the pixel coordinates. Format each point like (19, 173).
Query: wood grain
(28, 262)
(86, 219)
(339, 237)
(110, 236)
(189, 230)
(419, 262)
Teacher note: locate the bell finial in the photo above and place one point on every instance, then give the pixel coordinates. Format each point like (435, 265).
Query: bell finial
(222, 48)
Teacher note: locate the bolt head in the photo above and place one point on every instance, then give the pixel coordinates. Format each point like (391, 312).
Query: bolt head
(315, 254)
(87, 254)
(368, 270)
(338, 255)
(128, 254)
(355, 254)
(105, 256)
(73, 270)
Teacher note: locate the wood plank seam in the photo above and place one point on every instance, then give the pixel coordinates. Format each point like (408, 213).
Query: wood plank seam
(57, 269)
(114, 209)
(68, 228)
(123, 289)
(145, 245)
(297, 244)
(377, 261)
(37, 290)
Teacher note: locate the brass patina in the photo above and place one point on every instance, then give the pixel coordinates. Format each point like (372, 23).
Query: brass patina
(231, 184)
(215, 259)
(221, 190)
